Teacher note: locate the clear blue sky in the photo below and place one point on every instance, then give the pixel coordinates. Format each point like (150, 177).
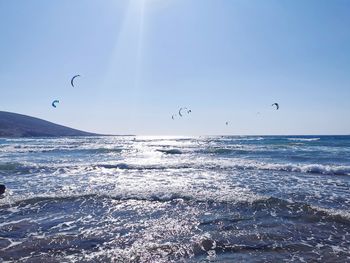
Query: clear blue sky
(141, 60)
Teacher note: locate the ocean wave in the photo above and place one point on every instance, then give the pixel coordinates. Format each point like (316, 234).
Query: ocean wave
(56, 197)
(306, 168)
(16, 168)
(237, 164)
(253, 200)
(283, 208)
(227, 164)
(170, 151)
(304, 139)
(223, 151)
(300, 208)
(124, 166)
(8, 166)
(75, 149)
(238, 138)
(105, 150)
(59, 149)
(245, 164)
(19, 169)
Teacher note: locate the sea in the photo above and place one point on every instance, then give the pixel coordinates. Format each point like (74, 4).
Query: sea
(175, 199)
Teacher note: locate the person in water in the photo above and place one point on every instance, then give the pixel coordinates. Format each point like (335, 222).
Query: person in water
(2, 189)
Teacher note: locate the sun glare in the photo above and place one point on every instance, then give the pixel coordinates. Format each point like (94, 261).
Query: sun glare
(127, 54)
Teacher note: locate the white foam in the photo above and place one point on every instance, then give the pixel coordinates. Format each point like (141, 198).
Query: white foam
(304, 139)
(246, 164)
(333, 212)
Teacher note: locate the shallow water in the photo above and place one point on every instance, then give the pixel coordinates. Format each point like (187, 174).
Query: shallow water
(181, 199)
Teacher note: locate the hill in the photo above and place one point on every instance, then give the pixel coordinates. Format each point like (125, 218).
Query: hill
(18, 125)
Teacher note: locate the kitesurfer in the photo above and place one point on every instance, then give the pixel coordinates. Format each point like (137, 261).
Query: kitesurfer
(54, 103)
(277, 105)
(72, 80)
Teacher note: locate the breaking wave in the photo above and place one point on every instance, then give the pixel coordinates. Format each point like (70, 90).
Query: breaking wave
(300, 168)
(304, 139)
(170, 151)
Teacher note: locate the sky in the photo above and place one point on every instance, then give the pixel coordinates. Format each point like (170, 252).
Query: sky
(141, 60)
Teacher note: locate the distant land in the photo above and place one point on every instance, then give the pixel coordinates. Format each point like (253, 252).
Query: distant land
(15, 125)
